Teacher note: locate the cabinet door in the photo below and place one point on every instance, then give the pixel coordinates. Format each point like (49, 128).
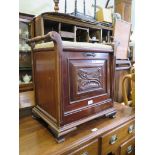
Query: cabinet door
(86, 83)
(128, 147)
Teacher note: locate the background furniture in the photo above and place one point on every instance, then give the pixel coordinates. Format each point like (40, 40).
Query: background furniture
(97, 137)
(25, 66)
(122, 36)
(26, 94)
(124, 8)
(122, 31)
(119, 74)
(72, 28)
(131, 77)
(73, 82)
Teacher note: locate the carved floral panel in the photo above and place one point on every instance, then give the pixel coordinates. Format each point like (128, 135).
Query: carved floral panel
(89, 78)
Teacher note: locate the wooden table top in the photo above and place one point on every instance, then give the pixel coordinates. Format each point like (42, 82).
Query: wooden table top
(35, 138)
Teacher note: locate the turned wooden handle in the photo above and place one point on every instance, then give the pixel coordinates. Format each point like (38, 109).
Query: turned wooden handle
(53, 36)
(39, 38)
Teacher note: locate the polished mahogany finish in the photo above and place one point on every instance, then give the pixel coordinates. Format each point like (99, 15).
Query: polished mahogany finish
(72, 85)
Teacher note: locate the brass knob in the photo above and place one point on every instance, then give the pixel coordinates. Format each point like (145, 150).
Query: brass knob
(113, 139)
(130, 128)
(85, 153)
(129, 149)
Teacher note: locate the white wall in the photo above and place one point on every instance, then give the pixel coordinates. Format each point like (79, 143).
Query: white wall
(37, 7)
(133, 15)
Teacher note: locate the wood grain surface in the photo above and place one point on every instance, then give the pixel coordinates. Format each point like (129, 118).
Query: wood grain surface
(35, 138)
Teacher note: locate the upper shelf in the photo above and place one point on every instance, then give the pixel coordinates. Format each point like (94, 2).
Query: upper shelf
(68, 18)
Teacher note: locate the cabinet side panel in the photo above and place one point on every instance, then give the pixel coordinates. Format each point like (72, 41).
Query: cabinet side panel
(45, 81)
(39, 26)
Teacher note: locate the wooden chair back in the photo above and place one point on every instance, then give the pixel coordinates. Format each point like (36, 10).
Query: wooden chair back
(121, 35)
(131, 78)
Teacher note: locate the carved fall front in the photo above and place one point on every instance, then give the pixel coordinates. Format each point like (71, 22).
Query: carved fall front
(87, 77)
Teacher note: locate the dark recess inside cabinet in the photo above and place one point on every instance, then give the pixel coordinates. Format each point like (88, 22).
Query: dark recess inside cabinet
(82, 34)
(106, 35)
(51, 26)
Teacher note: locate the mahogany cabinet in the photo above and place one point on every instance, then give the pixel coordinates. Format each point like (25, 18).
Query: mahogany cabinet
(97, 137)
(73, 82)
(123, 64)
